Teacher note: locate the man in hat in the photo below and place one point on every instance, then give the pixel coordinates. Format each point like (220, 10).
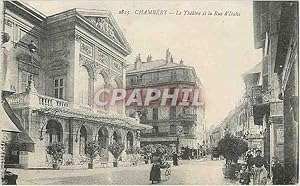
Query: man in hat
(260, 167)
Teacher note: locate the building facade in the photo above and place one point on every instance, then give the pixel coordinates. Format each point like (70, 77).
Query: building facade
(77, 52)
(241, 121)
(180, 126)
(276, 33)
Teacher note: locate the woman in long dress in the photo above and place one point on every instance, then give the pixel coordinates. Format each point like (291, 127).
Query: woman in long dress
(175, 159)
(155, 174)
(259, 165)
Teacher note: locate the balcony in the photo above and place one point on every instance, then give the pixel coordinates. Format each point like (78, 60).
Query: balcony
(255, 94)
(155, 134)
(187, 116)
(180, 117)
(35, 100)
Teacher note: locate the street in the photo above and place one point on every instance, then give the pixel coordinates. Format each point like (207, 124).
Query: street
(188, 172)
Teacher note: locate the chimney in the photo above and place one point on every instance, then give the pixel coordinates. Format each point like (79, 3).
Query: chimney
(181, 62)
(149, 58)
(138, 62)
(168, 56)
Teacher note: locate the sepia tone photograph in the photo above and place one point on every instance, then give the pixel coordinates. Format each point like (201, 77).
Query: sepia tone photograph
(149, 92)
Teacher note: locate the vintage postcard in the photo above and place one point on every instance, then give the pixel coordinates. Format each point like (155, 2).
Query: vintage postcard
(149, 92)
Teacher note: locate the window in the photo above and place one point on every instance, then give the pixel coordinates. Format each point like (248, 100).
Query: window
(173, 129)
(172, 90)
(155, 77)
(173, 74)
(186, 129)
(155, 113)
(133, 81)
(186, 75)
(155, 128)
(59, 88)
(172, 112)
(25, 80)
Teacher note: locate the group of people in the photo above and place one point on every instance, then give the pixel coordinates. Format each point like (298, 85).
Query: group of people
(258, 168)
(157, 163)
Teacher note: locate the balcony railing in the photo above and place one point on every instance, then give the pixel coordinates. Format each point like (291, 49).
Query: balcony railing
(154, 134)
(26, 99)
(18, 100)
(47, 101)
(255, 94)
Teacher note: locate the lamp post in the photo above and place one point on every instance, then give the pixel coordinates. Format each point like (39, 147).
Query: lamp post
(32, 49)
(179, 131)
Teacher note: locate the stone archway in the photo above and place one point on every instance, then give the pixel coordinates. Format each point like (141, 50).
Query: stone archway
(82, 140)
(118, 106)
(129, 140)
(117, 136)
(100, 82)
(54, 131)
(103, 137)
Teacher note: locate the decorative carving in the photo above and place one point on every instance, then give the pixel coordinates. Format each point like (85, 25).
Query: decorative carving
(86, 48)
(117, 66)
(90, 64)
(74, 36)
(103, 23)
(28, 68)
(8, 22)
(103, 58)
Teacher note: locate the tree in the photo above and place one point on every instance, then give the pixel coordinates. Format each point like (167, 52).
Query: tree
(92, 150)
(132, 150)
(56, 151)
(232, 147)
(116, 150)
(152, 148)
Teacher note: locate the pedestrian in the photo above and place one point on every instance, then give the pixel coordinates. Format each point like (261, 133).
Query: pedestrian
(249, 158)
(259, 165)
(155, 174)
(278, 172)
(146, 159)
(175, 159)
(244, 175)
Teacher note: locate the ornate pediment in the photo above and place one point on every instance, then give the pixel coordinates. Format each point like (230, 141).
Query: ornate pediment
(104, 22)
(105, 26)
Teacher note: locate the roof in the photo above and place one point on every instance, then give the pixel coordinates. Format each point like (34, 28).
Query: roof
(110, 32)
(256, 69)
(155, 65)
(104, 117)
(25, 143)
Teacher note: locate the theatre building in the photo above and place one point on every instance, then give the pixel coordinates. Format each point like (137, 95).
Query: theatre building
(172, 125)
(54, 65)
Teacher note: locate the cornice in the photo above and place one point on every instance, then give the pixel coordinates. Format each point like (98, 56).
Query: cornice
(82, 21)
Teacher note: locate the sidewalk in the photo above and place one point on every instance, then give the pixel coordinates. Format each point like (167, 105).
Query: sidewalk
(48, 175)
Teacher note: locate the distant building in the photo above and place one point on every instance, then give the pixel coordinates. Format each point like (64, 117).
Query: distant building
(181, 126)
(241, 122)
(77, 52)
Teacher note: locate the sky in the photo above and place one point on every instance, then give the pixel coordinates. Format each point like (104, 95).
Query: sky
(220, 48)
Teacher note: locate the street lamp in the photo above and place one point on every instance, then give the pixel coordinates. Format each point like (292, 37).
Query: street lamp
(32, 49)
(179, 131)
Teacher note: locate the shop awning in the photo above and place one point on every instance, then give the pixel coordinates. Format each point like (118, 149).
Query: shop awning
(25, 143)
(6, 124)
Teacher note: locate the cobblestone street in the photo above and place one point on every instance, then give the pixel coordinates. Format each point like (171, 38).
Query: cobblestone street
(188, 172)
